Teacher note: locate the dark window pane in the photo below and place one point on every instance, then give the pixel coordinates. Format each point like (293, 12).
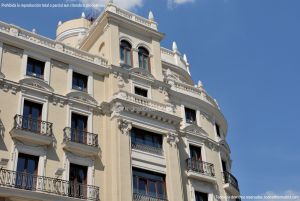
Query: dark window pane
(149, 183)
(79, 81)
(195, 152)
(218, 130)
(35, 67)
(143, 137)
(201, 196)
(140, 91)
(142, 186)
(152, 188)
(190, 115)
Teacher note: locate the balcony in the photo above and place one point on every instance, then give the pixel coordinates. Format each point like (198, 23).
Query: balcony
(147, 148)
(198, 169)
(81, 142)
(231, 184)
(143, 197)
(19, 181)
(32, 130)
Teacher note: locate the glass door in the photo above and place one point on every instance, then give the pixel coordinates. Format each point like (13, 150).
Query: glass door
(32, 115)
(27, 168)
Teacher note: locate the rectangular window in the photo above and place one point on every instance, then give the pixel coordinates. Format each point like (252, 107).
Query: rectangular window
(140, 91)
(149, 183)
(78, 180)
(195, 153)
(224, 167)
(218, 130)
(79, 128)
(32, 116)
(190, 115)
(201, 196)
(35, 68)
(27, 168)
(79, 82)
(142, 137)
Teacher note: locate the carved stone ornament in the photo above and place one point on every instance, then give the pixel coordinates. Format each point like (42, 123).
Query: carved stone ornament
(172, 138)
(124, 126)
(82, 96)
(194, 130)
(142, 72)
(2, 76)
(119, 76)
(40, 84)
(117, 108)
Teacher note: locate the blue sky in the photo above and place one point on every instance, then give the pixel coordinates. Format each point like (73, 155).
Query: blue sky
(246, 52)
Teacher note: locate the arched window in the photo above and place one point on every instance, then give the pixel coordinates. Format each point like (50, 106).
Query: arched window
(125, 53)
(144, 59)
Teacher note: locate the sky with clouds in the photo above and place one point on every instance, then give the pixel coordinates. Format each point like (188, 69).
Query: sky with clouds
(246, 52)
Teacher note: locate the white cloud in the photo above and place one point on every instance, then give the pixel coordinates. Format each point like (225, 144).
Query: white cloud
(272, 194)
(174, 3)
(183, 1)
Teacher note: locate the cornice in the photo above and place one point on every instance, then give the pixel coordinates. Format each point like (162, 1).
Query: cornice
(15, 36)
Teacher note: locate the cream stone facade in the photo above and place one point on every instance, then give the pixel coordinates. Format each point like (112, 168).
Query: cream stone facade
(105, 113)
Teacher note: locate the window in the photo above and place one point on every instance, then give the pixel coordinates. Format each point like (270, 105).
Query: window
(125, 53)
(142, 137)
(32, 115)
(140, 91)
(218, 130)
(144, 59)
(201, 196)
(190, 115)
(224, 167)
(195, 153)
(78, 180)
(27, 168)
(35, 68)
(79, 82)
(79, 128)
(149, 183)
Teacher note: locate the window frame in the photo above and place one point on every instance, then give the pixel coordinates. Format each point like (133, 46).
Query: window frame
(156, 139)
(185, 113)
(148, 180)
(141, 89)
(125, 49)
(34, 63)
(85, 81)
(143, 53)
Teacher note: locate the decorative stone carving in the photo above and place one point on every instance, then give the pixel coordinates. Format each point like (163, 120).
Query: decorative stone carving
(117, 108)
(121, 82)
(194, 130)
(172, 138)
(124, 126)
(141, 72)
(36, 83)
(83, 97)
(2, 76)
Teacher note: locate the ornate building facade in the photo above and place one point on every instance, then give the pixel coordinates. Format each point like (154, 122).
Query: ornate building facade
(103, 112)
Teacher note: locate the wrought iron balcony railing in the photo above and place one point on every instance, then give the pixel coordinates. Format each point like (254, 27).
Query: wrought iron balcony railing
(79, 136)
(31, 182)
(33, 125)
(144, 197)
(147, 148)
(200, 167)
(230, 179)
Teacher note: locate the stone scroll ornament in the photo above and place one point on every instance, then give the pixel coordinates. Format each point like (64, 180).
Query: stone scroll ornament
(125, 126)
